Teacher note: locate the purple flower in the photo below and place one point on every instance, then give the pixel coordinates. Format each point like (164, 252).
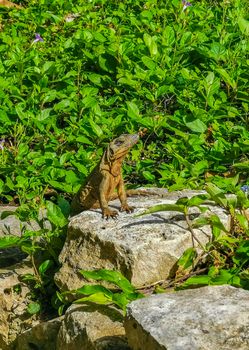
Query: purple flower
(245, 188)
(37, 38)
(1, 144)
(185, 4)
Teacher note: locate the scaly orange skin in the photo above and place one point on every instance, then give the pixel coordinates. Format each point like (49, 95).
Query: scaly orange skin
(105, 178)
(7, 3)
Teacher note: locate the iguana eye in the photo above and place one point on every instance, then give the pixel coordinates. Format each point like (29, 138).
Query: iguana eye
(118, 143)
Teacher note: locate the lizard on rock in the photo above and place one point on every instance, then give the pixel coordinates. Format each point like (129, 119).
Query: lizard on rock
(100, 185)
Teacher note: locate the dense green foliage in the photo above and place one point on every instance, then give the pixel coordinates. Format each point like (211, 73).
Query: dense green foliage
(117, 67)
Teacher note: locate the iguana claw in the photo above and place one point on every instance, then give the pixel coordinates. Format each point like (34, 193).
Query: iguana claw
(127, 208)
(108, 213)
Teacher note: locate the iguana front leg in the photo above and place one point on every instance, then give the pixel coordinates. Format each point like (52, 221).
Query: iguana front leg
(122, 197)
(103, 189)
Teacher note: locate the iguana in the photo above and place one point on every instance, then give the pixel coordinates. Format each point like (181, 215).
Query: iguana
(7, 3)
(100, 185)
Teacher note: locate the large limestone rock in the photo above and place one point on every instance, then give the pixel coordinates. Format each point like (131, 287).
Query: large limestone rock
(144, 249)
(92, 327)
(207, 318)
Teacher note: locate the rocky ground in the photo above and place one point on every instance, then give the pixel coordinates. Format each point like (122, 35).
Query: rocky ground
(145, 249)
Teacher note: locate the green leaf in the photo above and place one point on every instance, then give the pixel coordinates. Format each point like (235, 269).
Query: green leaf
(148, 176)
(197, 200)
(150, 42)
(44, 114)
(243, 221)
(121, 300)
(133, 111)
(8, 241)
(243, 248)
(64, 206)
(89, 289)
(148, 62)
(163, 207)
(84, 139)
(216, 195)
(64, 187)
(61, 310)
(182, 201)
(63, 104)
(243, 25)
(71, 177)
(19, 110)
(114, 277)
(55, 214)
(59, 296)
(226, 77)
(225, 277)
(199, 168)
(98, 298)
(168, 36)
(81, 167)
(216, 222)
(45, 266)
(28, 277)
(196, 281)
(243, 166)
(48, 65)
(10, 183)
(195, 125)
(34, 308)
(7, 213)
(95, 128)
(187, 258)
(200, 221)
(107, 62)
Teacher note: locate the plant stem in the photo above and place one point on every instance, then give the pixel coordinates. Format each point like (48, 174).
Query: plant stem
(193, 236)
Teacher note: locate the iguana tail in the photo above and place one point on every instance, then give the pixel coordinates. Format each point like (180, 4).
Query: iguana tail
(137, 192)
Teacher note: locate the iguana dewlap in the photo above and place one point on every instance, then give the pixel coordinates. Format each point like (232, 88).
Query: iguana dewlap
(105, 178)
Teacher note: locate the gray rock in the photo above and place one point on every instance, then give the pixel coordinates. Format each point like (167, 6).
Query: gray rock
(144, 249)
(207, 318)
(92, 327)
(11, 225)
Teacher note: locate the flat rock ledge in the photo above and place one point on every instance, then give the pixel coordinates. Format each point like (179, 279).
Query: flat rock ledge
(208, 318)
(144, 249)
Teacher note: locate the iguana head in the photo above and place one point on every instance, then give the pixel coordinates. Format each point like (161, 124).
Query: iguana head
(120, 146)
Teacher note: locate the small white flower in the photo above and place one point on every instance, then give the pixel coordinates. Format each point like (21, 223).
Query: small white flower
(71, 17)
(1, 144)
